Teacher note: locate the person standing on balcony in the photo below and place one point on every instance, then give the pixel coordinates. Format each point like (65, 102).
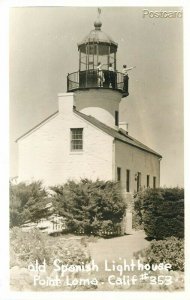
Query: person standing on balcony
(111, 69)
(100, 74)
(111, 76)
(126, 77)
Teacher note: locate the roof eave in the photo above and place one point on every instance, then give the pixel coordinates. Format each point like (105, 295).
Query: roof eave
(36, 126)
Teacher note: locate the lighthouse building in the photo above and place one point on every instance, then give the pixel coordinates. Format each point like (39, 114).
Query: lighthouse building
(85, 138)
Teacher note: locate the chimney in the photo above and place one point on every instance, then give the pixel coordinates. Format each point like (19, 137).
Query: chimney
(66, 101)
(124, 126)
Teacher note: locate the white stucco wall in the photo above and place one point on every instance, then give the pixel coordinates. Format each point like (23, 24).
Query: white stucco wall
(136, 160)
(45, 152)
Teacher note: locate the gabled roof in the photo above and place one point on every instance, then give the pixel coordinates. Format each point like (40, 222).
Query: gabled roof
(38, 125)
(120, 134)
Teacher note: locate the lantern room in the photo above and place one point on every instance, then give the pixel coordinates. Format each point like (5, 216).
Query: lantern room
(97, 47)
(97, 63)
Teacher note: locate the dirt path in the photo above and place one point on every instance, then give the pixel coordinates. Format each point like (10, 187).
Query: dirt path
(124, 247)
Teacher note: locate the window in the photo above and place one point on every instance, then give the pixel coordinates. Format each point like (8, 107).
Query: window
(148, 181)
(138, 181)
(127, 180)
(154, 182)
(76, 139)
(116, 118)
(118, 174)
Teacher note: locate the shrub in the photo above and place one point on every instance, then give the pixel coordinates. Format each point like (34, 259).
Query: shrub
(27, 202)
(161, 211)
(136, 221)
(27, 247)
(70, 253)
(87, 205)
(109, 229)
(170, 250)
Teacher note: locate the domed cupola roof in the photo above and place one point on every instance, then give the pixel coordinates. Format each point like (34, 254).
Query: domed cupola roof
(97, 36)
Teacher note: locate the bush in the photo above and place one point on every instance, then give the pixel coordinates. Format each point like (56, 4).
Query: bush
(87, 205)
(161, 211)
(27, 202)
(27, 247)
(170, 251)
(109, 229)
(70, 253)
(136, 221)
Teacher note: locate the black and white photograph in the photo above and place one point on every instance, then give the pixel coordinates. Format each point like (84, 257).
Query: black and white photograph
(96, 142)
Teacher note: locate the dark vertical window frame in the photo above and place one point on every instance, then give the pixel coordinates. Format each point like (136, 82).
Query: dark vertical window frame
(118, 174)
(154, 182)
(76, 137)
(138, 181)
(116, 118)
(127, 180)
(148, 181)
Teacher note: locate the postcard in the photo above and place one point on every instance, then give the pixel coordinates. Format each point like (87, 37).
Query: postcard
(96, 182)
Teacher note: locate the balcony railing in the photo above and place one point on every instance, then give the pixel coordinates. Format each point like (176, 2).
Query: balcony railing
(93, 79)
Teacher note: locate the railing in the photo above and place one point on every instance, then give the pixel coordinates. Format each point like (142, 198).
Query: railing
(94, 79)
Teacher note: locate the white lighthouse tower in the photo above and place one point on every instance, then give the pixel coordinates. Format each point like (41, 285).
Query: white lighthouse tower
(97, 85)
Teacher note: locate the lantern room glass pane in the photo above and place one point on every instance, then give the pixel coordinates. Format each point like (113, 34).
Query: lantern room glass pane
(95, 53)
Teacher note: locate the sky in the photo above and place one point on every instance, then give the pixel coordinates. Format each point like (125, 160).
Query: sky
(43, 50)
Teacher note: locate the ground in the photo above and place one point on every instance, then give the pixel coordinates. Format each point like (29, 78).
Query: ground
(114, 248)
(112, 251)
